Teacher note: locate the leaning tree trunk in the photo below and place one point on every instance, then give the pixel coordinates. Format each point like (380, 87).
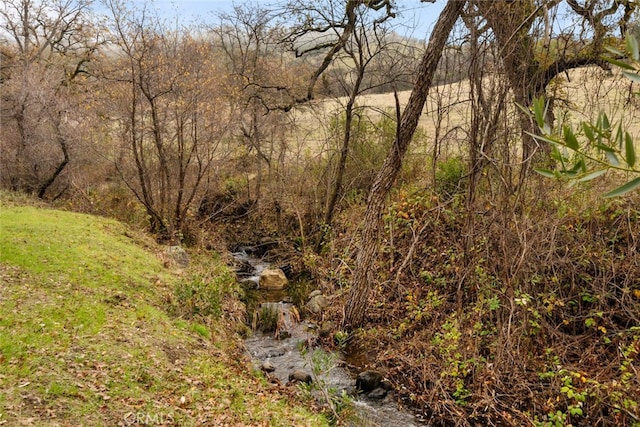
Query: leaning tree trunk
(356, 305)
(62, 142)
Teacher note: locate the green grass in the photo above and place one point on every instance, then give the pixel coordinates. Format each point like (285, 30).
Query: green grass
(86, 338)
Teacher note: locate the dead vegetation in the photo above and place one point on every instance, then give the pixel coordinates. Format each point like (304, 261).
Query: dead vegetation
(528, 318)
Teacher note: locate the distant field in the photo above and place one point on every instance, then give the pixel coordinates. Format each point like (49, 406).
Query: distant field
(581, 95)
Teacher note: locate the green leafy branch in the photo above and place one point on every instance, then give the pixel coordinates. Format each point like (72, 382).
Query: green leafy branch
(594, 148)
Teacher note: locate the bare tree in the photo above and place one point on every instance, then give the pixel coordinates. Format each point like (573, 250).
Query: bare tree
(264, 78)
(326, 27)
(46, 46)
(354, 52)
(163, 84)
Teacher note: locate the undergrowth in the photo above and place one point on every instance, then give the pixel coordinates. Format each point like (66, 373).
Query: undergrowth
(506, 316)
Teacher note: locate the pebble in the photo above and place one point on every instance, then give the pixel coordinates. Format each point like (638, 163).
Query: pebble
(267, 366)
(300, 375)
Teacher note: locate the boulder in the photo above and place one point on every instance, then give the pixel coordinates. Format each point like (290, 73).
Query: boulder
(317, 303)
(377, 393)
(267, 366)
(368, 381)
(178, 256)
(300, 375)
(273, 280)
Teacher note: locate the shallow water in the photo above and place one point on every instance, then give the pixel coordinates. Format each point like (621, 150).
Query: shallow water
(293, 353)
(297, 352)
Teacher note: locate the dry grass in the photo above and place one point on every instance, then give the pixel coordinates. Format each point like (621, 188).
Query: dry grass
(579, 95)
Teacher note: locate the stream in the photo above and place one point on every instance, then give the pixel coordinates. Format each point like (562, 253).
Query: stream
(289, 354)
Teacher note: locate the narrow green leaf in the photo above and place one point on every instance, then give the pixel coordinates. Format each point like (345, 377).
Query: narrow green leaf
(575, 168)
(588, 131)
(539, 111)
(592, 175)
(613, 159)
(546, 173)
(634, 77)
(630, 150)
(629, 186)
(632, 46)
(614, 51)
(598, 127)
(579, 166)
(604, 148)
(605, 122)
(570, 139)
(618, 63)
(619, 138)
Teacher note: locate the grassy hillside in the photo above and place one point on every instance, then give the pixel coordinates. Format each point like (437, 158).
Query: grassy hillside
(86, 338)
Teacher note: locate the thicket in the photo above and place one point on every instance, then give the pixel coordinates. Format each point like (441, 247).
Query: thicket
(508, 318)
(505, 309)
(494, 303)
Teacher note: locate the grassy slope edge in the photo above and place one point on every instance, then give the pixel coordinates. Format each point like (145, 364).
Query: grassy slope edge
(85, 338)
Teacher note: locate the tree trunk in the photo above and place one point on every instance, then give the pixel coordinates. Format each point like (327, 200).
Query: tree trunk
(332, 199)
(62, 142)
(510, 23)
(356, 306)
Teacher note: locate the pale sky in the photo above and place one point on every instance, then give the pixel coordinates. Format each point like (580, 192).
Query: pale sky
(416, 18)
(193, 7)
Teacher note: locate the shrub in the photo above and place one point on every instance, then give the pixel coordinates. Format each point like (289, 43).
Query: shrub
(450, 177)
(266, 319)
(201, 296)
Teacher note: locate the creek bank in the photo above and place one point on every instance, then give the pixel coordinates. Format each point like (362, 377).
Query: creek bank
(284, 347)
